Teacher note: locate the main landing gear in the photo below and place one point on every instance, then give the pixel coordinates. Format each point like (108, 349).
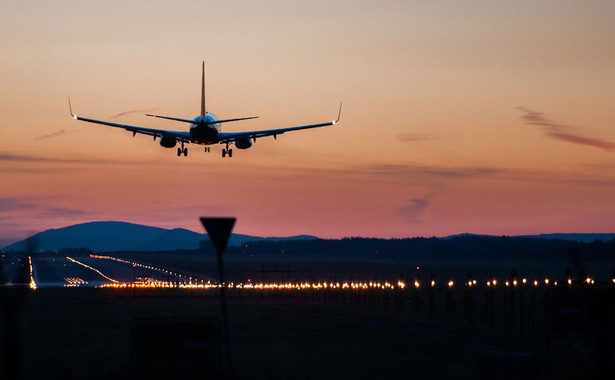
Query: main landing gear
(181, 151)
(226, 151)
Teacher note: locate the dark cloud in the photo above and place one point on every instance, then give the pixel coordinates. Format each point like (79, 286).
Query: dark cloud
(432, 171)
(414, 137)
(43, 208)
(412, 212)
(62, 211)
(131, 112)
(561, 131)
(15, 203)
(51, 135)
(11, 157)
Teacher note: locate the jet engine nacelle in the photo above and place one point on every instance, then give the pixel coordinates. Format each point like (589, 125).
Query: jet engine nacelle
(167, 142)
(243, 143)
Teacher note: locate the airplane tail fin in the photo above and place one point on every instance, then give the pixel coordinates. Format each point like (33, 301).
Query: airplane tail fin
(203, 112)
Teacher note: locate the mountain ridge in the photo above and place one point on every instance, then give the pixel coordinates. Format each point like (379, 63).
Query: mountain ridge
(109, 236)
(104, 236)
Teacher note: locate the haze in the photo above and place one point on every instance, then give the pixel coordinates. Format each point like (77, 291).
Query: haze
(483, 117)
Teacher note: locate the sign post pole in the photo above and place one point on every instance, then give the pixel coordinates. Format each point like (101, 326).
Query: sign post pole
(219, 231)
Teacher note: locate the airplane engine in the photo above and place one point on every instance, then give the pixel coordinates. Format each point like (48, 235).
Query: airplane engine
(243, 143)
(167, 142)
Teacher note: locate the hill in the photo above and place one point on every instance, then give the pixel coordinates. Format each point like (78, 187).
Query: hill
(122, 236)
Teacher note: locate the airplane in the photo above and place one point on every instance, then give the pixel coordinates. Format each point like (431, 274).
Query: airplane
(204, 129)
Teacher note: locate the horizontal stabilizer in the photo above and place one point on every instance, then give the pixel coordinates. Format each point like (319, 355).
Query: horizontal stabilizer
(201, 122)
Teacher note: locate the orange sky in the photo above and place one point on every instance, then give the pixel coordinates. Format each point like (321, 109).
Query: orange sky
(458, 116)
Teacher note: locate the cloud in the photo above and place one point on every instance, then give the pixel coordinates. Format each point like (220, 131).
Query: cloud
(414, 137)
(11, 157)
(15, 203)
(51, 135)
(560, 131)
(432, 171)
(53, 212)
(412, 212)
(40, 206)
(131, 112)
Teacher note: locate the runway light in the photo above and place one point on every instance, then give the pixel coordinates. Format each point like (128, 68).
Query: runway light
(535, 283)
(524, 281)
(416, 284)
(569, 282)
(433, 283)
(451, 283)
(488, 283)
(546, 281)
(494, 282)
(32, 282)
(515, 283)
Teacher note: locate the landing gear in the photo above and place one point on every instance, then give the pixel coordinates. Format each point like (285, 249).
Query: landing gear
(181, 151)
(206, 149)
(227, 151)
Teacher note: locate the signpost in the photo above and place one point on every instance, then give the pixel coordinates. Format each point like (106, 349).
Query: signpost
(219, 231)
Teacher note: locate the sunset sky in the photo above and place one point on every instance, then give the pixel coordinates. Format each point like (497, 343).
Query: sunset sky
(490, 117)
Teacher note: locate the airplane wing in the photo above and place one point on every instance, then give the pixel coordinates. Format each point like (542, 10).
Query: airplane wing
(179, 136)
(229, 137)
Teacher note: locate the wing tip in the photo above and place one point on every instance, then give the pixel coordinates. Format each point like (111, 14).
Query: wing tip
(70, 109)
(339, 114)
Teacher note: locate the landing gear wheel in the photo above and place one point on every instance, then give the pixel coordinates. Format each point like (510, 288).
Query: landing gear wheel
(230, 153)
(179, 152)
(223, 153)
(185, 152)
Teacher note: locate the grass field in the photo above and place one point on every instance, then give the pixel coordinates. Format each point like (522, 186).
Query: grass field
(88, 333)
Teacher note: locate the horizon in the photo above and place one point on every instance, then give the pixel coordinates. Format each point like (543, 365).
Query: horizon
(493, 118)
(4, 244)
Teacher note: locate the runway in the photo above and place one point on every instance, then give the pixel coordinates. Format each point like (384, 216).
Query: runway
(95, 271)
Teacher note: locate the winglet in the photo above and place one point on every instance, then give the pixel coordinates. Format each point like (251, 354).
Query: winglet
(70, 109)
(339, 114)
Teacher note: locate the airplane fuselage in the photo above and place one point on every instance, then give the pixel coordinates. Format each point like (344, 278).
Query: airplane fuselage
(202, 131)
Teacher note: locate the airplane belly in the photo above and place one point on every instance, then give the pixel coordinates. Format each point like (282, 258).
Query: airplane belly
(203, 135)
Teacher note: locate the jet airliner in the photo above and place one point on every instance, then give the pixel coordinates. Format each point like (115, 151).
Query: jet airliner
(204, 129)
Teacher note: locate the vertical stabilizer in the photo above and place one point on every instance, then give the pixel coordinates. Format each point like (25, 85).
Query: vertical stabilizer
(203, 112)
